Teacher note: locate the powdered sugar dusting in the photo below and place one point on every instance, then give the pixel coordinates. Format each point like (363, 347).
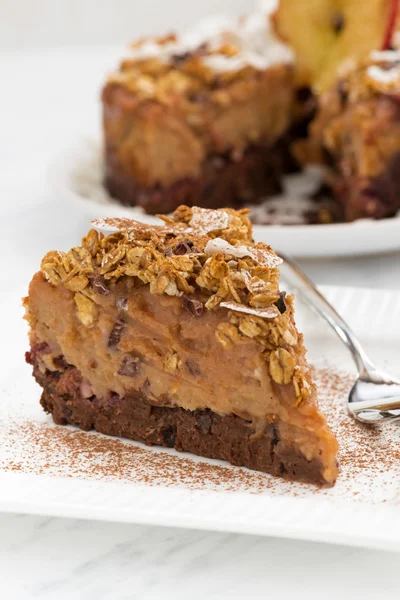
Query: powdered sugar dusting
(294, 205)
(110, 225)
(280, 210)
(265, 257)
(261, 253)
(207, 220)
(251, 35)
(386, 77)
(385, 56)
(271, 312)
(114, 225)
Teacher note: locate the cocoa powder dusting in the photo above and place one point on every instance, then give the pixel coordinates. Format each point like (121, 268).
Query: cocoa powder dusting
(369, 456)
(65, 452)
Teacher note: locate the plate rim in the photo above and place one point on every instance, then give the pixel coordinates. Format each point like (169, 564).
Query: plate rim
(375, 527)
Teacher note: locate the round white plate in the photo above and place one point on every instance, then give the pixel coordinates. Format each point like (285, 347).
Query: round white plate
(76, 177)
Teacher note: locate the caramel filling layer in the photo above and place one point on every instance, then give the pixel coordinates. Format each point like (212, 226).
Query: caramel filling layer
(140, 341)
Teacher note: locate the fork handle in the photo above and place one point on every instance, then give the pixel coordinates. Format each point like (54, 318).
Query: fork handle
(309, 291)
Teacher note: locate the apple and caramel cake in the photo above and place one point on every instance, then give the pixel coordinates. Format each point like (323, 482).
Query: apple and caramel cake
(215, 117)
(199, 118)
(179, 335)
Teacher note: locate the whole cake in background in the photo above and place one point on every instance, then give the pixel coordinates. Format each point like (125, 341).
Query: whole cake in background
(179, 335)
(215, 117)
(199, 119)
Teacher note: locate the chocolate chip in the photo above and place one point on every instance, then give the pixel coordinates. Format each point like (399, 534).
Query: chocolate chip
(193, 368)
(130, 365)
(195, 307)
(199, 98)
(303, 94)
(169, 436)
(342, 90)
(281, 304)
(274, 437)
(218, 82)
(185, 247)
(100, 285)
(337, 22)
(178, 59)
(115, 335)
(204, 421)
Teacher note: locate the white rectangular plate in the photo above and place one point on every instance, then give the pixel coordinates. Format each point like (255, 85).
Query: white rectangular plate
(62, 472)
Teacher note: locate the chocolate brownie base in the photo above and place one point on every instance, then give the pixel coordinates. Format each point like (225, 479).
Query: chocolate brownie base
(226, 181)
(201, 432)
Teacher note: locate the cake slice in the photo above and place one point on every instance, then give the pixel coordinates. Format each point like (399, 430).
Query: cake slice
(199, 119)
(356, 137)
(179, 335)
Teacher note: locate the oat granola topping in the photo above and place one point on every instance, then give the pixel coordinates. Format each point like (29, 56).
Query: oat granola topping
(379, 74)
(282, 366)
(208, 259)
(227, 49)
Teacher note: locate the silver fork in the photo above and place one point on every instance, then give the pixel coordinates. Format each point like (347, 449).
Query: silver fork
(375, 396)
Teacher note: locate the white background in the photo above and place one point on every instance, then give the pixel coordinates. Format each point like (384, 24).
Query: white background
(27, 23)
(47, 99)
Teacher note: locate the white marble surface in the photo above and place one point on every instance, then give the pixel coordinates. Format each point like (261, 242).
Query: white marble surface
(55, 559)
(49, 100)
